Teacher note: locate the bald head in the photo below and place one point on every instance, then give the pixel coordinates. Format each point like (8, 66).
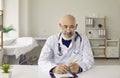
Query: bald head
(68, 18)
(68, 26)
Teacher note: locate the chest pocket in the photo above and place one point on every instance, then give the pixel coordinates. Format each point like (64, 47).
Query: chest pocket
(77, 54)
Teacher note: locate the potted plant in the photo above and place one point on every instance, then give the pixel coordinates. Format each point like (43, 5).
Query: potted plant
(7, 29)
(6, 73)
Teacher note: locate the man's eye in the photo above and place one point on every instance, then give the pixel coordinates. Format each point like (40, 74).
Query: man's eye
(72, 26)
(65, 26)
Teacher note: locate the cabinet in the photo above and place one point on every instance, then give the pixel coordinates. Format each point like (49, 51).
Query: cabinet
(112, 49)
(95, 28)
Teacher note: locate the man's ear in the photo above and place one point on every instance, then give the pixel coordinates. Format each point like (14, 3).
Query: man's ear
(76, 26)
(60, 24)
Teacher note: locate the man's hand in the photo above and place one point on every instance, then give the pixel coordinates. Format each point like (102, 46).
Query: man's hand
(60, 69)
(74, 67)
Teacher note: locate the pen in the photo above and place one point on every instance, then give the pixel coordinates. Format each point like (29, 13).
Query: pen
(72, 73)
(74, 61)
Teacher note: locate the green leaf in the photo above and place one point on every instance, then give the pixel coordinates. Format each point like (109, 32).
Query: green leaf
(8, 29)
(5, 68)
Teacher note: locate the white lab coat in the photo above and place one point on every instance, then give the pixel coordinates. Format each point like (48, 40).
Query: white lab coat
(81, 51)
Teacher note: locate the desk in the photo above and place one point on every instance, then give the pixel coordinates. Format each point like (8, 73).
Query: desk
(32, 71)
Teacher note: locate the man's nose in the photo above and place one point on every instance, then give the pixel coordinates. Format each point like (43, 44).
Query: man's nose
(68, 29)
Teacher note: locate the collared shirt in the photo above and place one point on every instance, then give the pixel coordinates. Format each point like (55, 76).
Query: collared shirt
(66, 42)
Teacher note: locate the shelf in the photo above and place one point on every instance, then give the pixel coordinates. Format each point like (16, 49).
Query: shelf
(100, 17)
(96, 38)
(91, 28)
(111, 46)
(98, 47)
(99, 56)
(96, 33)
(112, 40)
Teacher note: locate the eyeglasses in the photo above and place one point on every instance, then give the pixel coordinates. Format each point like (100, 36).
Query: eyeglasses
(71, 27)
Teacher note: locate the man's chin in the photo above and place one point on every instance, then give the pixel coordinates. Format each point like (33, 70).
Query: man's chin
(68, 36)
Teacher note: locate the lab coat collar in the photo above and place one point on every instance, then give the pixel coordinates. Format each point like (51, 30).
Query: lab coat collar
(62, 36)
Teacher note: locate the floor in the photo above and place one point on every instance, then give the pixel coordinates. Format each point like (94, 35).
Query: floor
(107, 61)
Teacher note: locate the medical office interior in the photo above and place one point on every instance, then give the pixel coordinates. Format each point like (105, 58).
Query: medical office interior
(35, 20)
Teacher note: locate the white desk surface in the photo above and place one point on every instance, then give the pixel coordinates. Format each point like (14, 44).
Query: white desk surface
(32, 71)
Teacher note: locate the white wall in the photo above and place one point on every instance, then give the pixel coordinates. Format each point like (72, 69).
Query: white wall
(46, 14)
(11, 15)
(24, 18)
(16, 12)
(1, 4)
(40, 18)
